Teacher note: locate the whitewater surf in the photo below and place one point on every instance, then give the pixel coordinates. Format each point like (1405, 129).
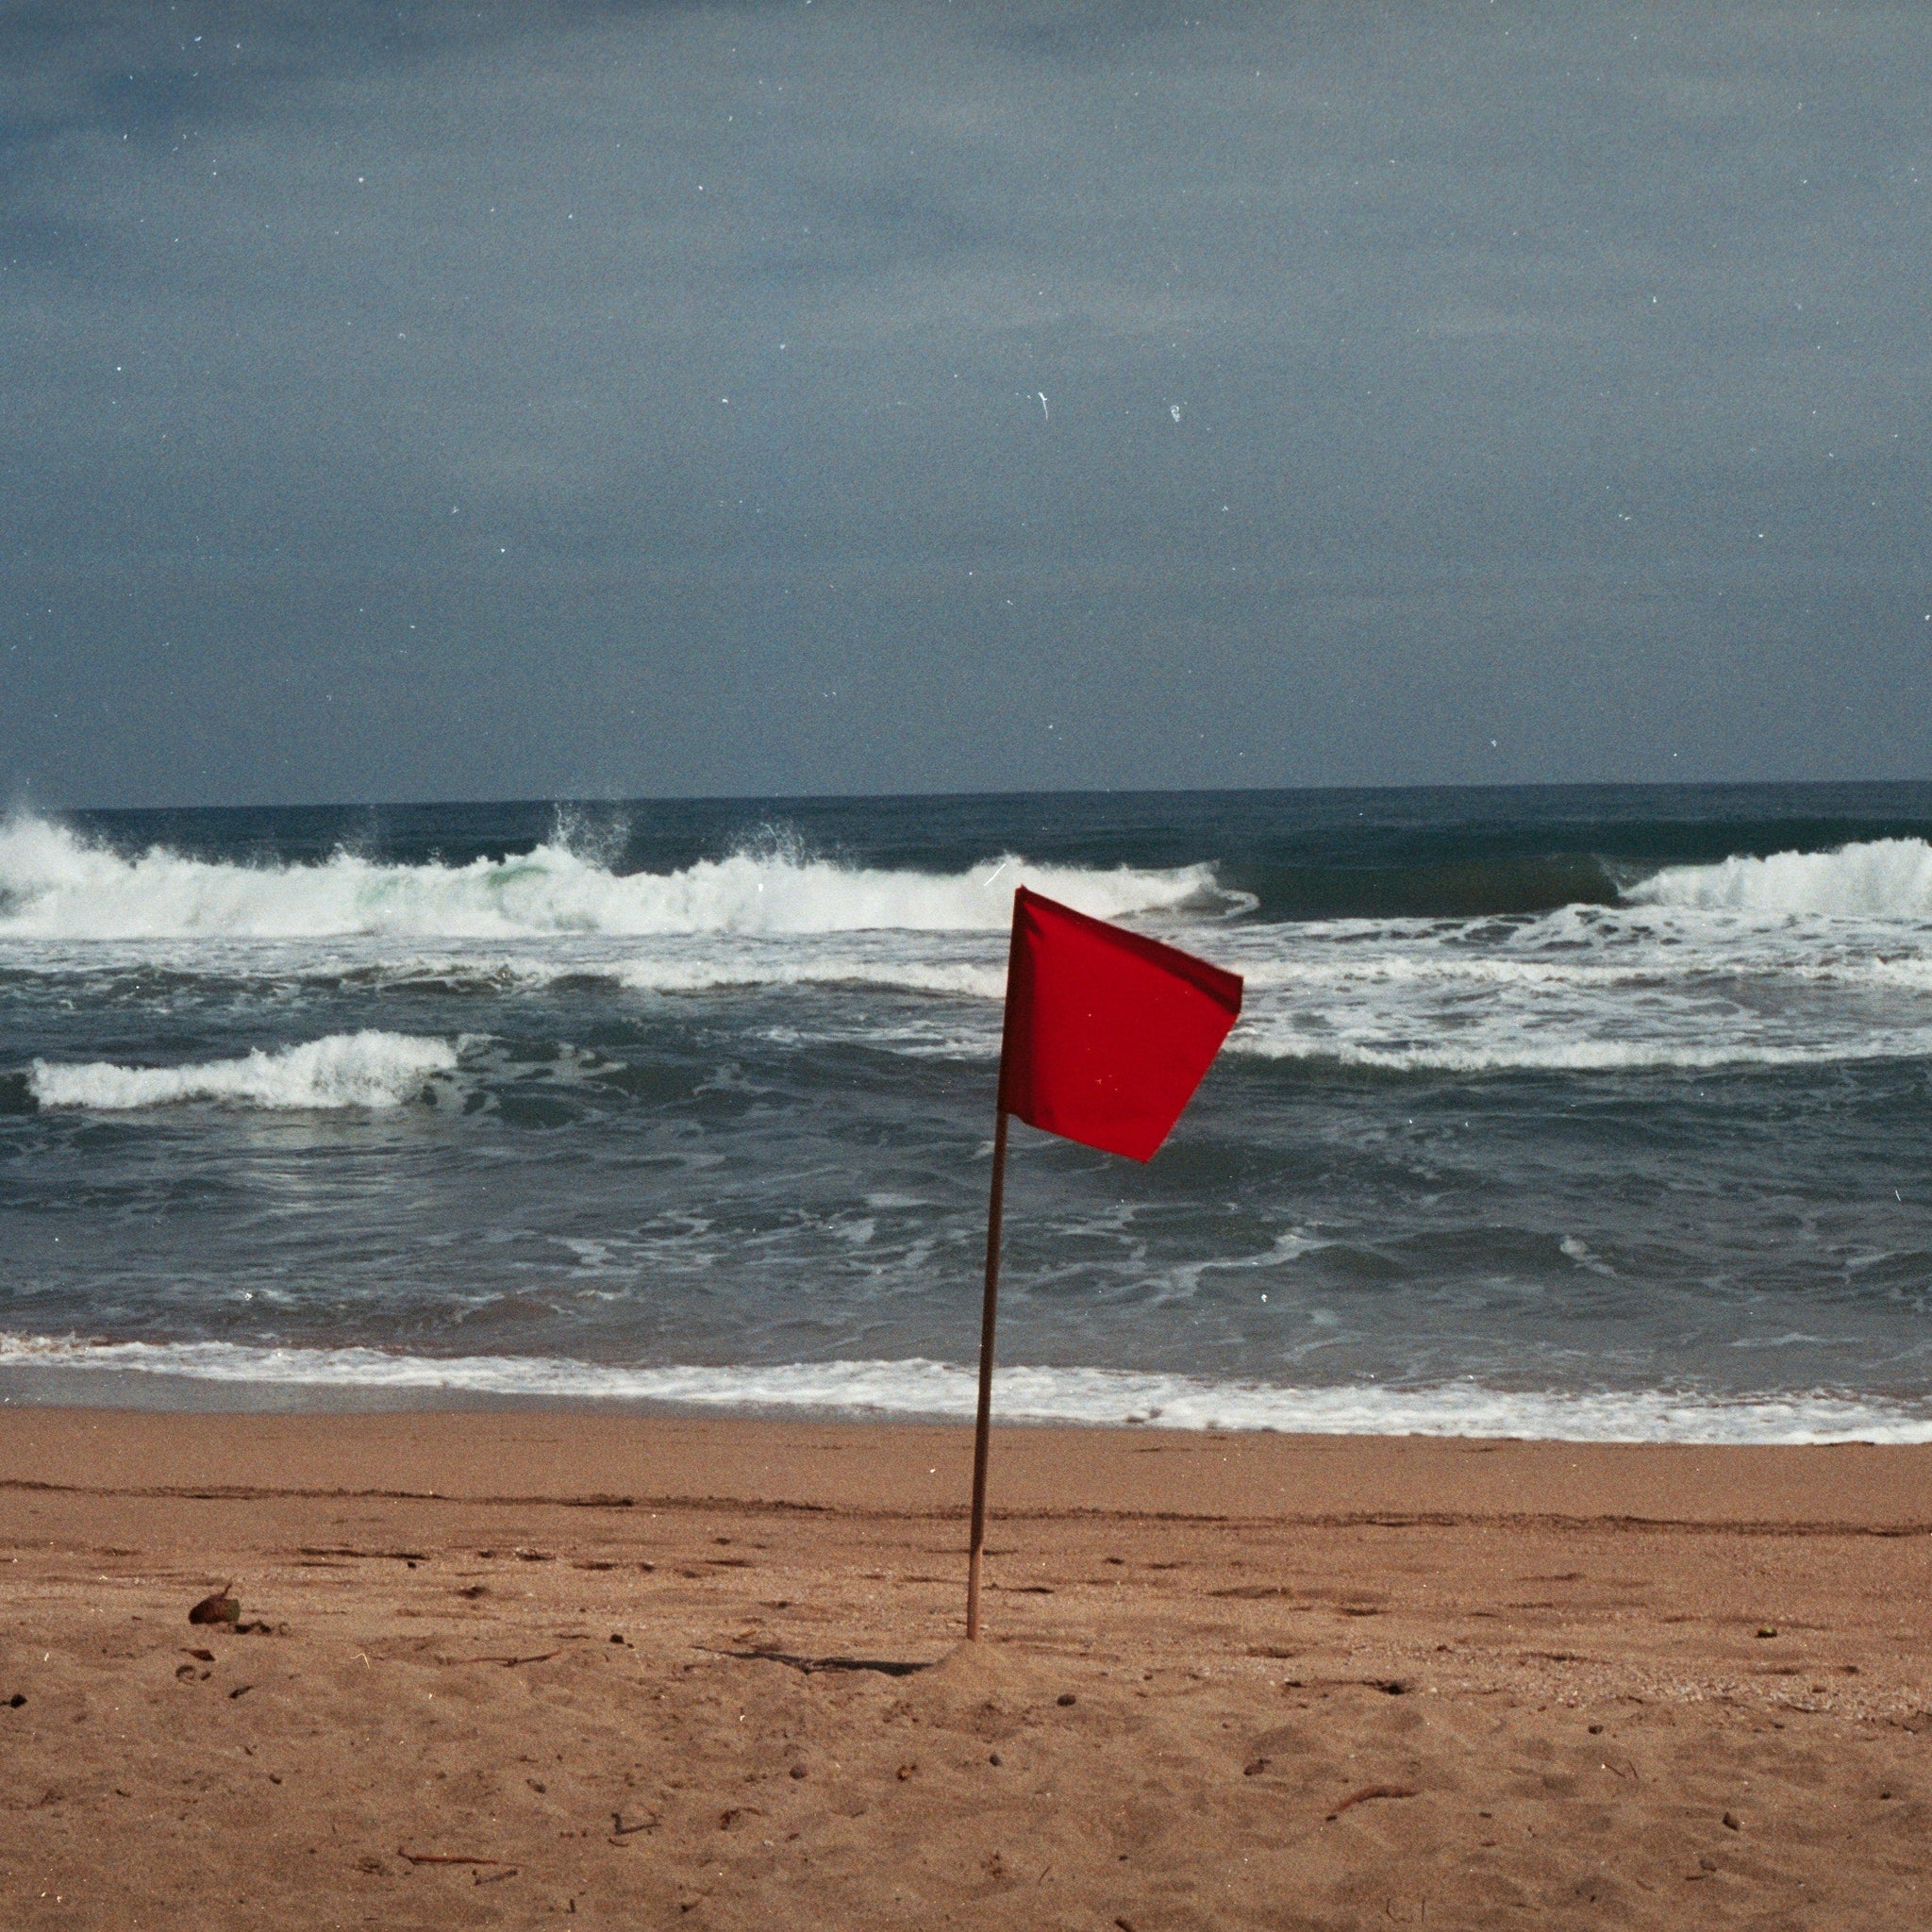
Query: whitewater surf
(1572, 1112)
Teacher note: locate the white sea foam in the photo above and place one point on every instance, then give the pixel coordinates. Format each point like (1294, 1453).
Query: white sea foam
(343, 1069)
(971, 967)
(1587, 989)
(1884, 879)
(55, 885)
(965, 979)
(945, 1390)
(1522, 1052)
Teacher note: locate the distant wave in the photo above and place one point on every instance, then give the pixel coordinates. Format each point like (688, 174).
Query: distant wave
(59, 885)
(945, 1390)
(1887, 878)
(55, 885)
(343, 1069)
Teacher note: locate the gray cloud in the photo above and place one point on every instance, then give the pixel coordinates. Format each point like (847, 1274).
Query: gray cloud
(638, 398)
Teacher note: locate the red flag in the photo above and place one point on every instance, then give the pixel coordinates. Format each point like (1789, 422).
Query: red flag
(1107, 1034)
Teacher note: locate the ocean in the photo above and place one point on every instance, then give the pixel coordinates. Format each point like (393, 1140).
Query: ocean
(1593, 1112)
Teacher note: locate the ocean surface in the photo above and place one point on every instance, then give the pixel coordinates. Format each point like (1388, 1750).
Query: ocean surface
(1594, 1112)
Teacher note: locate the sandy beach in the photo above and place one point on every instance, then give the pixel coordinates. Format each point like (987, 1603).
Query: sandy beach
(500, 1668)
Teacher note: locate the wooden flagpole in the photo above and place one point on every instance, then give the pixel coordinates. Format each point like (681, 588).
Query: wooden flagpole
(982, 1438)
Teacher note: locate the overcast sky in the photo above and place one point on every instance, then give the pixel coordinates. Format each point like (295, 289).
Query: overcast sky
(521, 400)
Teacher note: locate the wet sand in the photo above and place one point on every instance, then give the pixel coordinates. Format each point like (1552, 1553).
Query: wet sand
(640, 1672)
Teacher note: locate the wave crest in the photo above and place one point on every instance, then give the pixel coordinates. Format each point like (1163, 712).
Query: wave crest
(1884, 879)
(55, 885)
(341, 1070)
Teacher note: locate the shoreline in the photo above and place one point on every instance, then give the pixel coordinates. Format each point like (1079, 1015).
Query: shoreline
(224, 1378)
(922, 1470)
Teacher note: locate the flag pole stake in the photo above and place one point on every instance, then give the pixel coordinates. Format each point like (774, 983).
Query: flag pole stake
(982, 1435)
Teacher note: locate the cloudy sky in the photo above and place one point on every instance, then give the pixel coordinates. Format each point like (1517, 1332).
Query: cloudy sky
(521, 400)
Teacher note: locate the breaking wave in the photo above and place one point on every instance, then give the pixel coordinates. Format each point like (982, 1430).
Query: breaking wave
(55, 885)
(945, 1390)
(343, 1070)
(1885, 878)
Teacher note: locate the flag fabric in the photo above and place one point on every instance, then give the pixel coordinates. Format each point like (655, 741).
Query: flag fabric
(1107, 1033)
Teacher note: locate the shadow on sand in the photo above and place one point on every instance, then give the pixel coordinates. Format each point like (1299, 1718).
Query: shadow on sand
(885, 1666)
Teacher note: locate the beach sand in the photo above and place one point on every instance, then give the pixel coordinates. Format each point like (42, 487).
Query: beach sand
(628, 1671)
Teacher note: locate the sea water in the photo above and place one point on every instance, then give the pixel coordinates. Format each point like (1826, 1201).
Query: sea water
(1576, 1112)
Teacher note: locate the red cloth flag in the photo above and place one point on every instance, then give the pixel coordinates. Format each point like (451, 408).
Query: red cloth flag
(1107, 1034)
